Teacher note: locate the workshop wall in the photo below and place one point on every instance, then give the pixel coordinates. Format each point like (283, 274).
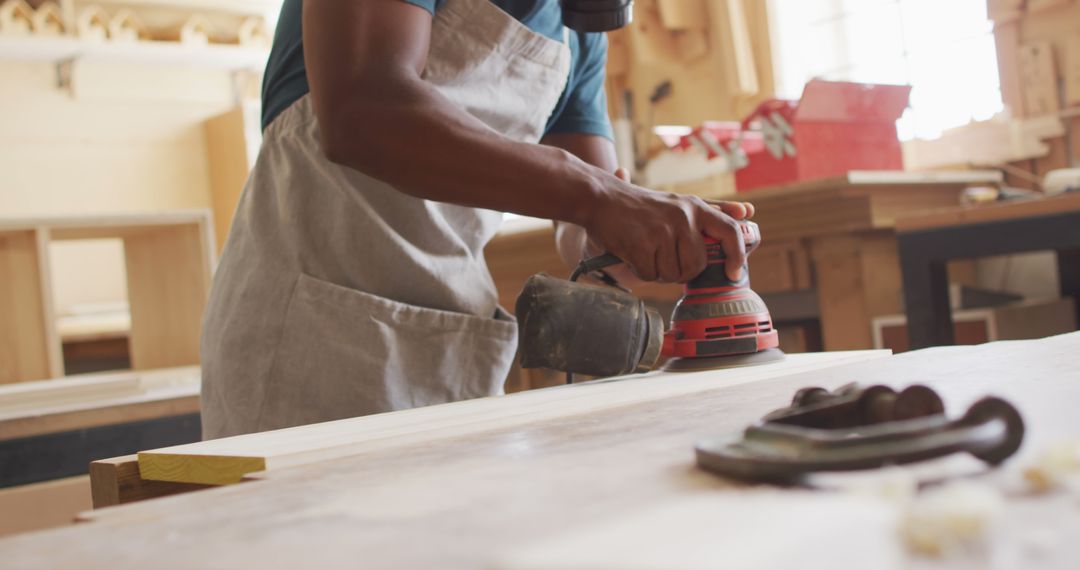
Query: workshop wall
(120, 138)
(717, 57)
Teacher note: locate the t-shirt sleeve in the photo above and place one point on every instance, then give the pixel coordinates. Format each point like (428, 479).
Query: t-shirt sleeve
(586, 105)
(428, 5)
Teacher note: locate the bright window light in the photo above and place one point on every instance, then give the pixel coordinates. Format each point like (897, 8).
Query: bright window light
(943, 48)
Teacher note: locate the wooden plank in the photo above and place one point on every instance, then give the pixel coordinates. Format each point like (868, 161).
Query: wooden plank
(858, 278)
(875, 179)
(1034, 6)
(463, 499)
(43, 505)
(29, 346)
(92, 226)
(689, 534)
(1072, 71)
(1039, 79)
(1007, 43)
(168, 275)
(990, 142)
(228, 162)
(858, 201)
(990, 212)
(53, 344)
(228, 460)
(50, 406)
(116, 481)
(1074, 133)
(732, 31)
(58, 392)
(840, 291)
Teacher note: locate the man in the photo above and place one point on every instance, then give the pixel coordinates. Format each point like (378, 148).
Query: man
(395, 131)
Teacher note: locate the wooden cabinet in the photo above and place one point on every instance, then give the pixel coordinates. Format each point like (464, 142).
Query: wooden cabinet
(168, 263)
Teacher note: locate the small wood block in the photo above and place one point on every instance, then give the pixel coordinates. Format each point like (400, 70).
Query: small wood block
(117, 481)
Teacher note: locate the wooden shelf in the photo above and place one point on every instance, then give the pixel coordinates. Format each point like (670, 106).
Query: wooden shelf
(60, 49)
(29, 409)
(168, 259)
(250, 7)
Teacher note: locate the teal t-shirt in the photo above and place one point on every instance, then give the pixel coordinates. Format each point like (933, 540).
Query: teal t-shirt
(582, 107)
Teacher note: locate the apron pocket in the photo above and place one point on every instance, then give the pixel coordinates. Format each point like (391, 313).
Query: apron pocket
(346, 353)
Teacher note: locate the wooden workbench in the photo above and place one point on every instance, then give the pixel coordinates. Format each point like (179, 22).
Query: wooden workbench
(835, 235)
(597, 475)
(929, 241)
(846, 227)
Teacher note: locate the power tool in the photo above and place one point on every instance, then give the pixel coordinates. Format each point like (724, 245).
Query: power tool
(597, 15)
(580, 328)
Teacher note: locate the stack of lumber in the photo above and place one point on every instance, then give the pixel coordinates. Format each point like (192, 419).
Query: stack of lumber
(1038, 57)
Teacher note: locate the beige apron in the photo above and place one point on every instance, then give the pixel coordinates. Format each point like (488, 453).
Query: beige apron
(339, 296)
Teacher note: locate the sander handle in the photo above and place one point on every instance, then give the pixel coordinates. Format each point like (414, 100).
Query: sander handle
(597, 263)
(751, 239)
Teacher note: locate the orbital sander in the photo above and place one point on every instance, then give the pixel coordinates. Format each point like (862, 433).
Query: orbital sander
(580, 328)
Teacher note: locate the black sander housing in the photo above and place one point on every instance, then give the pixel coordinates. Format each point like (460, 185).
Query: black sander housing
(606, 331)
(597, 15)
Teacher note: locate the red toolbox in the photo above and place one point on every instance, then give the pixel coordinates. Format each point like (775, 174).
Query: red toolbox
(835, 127)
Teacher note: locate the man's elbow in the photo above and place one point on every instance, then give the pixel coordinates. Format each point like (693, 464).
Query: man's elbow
(334, 141)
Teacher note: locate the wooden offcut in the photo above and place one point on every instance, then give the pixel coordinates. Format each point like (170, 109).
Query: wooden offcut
(116, 481)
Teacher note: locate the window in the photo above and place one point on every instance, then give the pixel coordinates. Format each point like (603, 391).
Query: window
(943, 48)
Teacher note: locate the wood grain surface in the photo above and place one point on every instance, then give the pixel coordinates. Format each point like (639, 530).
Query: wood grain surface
(994, 212)
(485, 497)
(228, 460)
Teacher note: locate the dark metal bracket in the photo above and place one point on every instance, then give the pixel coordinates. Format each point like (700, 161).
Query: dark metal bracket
(861, 428)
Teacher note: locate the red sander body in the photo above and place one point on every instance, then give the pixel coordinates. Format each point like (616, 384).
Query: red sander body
(605, 331)
(717, 318)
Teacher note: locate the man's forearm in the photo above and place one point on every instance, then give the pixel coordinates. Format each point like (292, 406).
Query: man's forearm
(409, 135)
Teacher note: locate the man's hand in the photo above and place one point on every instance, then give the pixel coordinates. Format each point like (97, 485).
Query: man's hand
(625, 231)
(660, 234)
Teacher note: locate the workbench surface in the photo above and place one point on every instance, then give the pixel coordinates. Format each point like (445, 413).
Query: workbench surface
(615, 487)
